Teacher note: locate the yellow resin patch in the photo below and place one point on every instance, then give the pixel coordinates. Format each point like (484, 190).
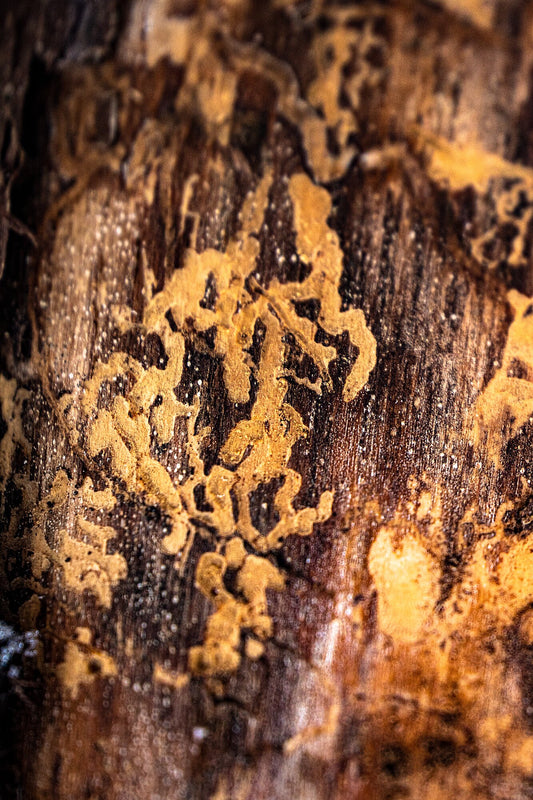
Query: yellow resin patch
(174, 680)
(83, 559)
(342, 57)
(406, 579)
(506, 403)
(258, 448)
(83, 664)
(509, 186)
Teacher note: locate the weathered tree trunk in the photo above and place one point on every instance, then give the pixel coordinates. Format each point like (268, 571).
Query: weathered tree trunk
(266, 400)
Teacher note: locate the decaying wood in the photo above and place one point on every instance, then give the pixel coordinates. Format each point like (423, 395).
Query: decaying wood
(267, 400)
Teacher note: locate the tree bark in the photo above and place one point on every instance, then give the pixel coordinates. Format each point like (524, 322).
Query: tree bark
(266, 400)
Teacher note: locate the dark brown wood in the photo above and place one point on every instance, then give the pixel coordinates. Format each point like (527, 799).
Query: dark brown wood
(266, 400)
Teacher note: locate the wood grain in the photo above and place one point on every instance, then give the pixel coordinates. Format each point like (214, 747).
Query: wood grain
(266, 400)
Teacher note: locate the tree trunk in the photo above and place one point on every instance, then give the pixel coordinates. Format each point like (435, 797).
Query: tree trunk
(266, 400)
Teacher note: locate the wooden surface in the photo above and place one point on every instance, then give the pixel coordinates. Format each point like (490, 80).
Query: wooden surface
(266, 400)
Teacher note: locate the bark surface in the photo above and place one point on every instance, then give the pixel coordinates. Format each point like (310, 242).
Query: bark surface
(266, 400)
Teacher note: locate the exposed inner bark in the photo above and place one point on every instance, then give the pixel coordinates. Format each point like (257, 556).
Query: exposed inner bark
(266, 400)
